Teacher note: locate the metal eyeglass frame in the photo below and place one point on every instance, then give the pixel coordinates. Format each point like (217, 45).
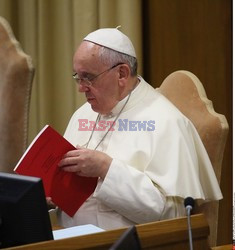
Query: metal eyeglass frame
(88, 81)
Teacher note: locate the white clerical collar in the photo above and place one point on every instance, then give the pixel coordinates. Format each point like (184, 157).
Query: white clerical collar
(116, 109)
(137, 93)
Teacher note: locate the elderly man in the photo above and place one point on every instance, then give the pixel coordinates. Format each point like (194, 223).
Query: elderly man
(146, 154)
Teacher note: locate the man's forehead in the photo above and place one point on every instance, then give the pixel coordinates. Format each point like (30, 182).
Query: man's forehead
(86, 57)
(87, 50)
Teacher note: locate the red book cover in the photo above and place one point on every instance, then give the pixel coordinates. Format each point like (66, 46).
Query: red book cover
(67, 190)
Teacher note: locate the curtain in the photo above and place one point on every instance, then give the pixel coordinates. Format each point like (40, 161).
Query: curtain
(50, 31)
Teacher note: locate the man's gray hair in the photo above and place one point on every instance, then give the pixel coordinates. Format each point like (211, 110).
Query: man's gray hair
(111, 57)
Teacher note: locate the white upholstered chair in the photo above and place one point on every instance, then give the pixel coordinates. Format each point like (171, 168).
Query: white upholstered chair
(16, 75)
(187, 93)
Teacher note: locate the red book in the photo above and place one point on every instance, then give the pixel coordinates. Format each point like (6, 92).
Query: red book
(67, 190)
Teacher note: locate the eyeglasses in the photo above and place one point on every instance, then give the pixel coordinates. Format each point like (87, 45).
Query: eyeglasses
(87, 81)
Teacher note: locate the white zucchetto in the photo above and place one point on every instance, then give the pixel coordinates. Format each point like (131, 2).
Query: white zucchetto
(113, 39)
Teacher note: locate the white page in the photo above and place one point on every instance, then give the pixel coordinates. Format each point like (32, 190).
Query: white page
(76, 231)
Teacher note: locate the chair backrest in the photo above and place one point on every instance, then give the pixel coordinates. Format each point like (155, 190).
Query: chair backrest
(187, 93)
(16, 76)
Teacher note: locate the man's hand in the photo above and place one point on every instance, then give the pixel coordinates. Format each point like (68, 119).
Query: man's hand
(50, 204)
(86, 162)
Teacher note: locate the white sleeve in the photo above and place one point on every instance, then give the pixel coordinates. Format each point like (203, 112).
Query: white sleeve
(131, 193)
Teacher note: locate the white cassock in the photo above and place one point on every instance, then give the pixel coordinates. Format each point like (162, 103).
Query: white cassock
(158, 160)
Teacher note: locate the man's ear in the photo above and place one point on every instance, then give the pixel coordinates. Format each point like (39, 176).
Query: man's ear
(124, 74)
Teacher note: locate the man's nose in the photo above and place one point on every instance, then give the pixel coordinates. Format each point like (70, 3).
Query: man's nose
(82, 88)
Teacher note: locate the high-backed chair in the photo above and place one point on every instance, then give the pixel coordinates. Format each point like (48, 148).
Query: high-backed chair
(186, 92)
(16, 75)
